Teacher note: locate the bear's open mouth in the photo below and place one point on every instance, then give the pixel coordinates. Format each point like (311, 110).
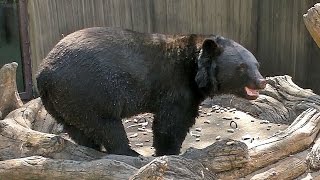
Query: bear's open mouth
(251, 93)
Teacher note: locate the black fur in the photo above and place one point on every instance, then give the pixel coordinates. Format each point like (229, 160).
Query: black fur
(95, 77)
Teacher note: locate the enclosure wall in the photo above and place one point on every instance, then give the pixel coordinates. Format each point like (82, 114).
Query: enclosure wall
(273, 30)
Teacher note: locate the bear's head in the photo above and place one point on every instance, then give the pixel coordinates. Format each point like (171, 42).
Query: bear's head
(226, 67)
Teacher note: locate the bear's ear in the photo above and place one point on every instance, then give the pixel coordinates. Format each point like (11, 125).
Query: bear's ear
(210, 47)
(205, 77)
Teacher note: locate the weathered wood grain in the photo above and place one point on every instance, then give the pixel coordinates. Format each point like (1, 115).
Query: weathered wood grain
(312, 22)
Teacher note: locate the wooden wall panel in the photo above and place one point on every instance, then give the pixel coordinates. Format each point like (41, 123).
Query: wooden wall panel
(284, 45)
(272, 29)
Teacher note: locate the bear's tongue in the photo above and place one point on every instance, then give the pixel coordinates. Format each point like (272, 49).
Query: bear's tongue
(252, 92)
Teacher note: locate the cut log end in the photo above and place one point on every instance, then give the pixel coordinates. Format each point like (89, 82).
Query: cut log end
(312, 22)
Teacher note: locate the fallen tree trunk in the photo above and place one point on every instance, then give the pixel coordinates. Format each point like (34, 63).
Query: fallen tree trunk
(289, 168)
(312, 22)
(37, 167)
(166, 167)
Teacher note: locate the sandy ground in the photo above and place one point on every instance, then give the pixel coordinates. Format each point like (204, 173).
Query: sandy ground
(211, 125)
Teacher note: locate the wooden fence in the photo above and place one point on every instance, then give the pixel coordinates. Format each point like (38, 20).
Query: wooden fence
(272, 29)
(284, 45)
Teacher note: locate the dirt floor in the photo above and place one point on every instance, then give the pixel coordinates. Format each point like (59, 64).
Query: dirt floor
(213, 123)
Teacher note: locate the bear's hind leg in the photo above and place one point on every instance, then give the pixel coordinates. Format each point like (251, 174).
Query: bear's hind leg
(75, 133)
(110, 132)
(81, 138)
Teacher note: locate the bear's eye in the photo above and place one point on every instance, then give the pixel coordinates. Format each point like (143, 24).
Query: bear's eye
(242, 67)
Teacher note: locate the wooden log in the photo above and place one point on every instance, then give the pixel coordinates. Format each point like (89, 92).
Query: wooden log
(313, 157)
(37, 167)
(295, 138)
(312, 22)
(280, 102)
(19, 140)
(9, 96)
(173, 167)
(166, 167)
(34, 116)
(221, 156)
(289, 168)
(311, 176)
(136, 162)
(154, 170)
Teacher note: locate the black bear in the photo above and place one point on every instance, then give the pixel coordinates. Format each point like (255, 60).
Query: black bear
(95, 77)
